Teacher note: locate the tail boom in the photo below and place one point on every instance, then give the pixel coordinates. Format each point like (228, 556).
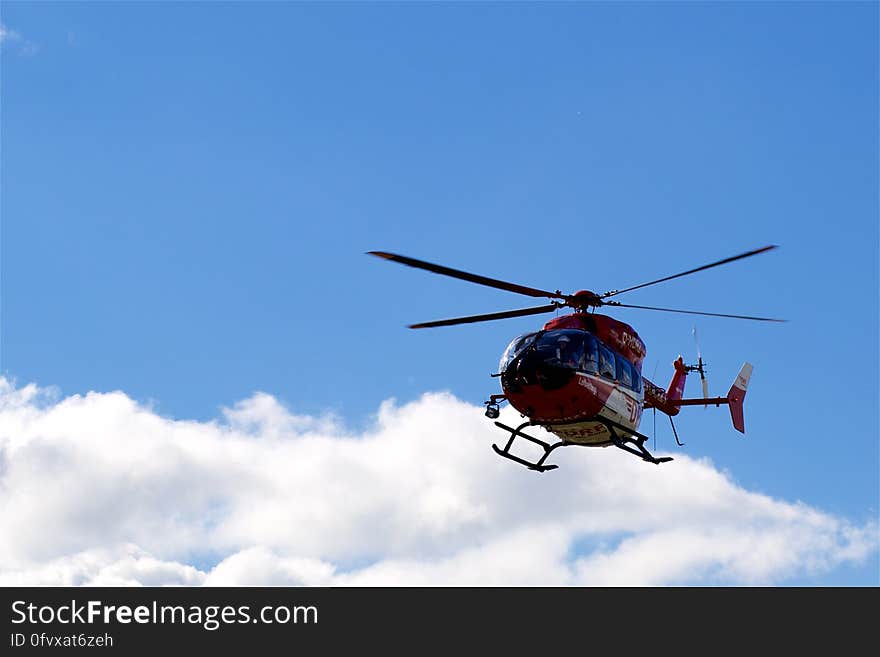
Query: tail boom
(734, 400)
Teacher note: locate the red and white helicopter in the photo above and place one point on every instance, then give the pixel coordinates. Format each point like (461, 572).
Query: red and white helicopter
(580, 376)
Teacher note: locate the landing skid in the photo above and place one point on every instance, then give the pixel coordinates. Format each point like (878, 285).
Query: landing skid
(547, 447)
(632, 442)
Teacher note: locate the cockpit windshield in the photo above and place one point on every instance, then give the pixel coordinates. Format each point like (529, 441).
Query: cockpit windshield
(514, 349)
(553, 352)
(564, 348)
(567, 348)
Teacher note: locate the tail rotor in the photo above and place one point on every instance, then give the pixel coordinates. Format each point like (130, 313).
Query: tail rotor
(699, 367)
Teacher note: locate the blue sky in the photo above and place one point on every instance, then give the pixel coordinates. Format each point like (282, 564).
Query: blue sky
(188, 191)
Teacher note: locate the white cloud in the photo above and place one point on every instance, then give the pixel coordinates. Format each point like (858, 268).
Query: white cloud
(97, 489)
(7, 35)
(25, 47)
(124, 565)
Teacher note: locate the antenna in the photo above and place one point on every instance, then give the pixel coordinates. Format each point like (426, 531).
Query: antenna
(655, 428)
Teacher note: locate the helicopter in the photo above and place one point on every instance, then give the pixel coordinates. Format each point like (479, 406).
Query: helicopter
(580, 376)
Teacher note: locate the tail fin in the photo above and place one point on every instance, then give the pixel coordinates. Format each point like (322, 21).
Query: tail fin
(676, 386)
(737, 394)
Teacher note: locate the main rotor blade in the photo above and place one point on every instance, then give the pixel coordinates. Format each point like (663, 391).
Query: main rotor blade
(465, 276)
(617, 304)
(691, 271)
(486, 318)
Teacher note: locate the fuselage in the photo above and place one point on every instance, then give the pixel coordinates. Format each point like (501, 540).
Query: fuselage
(567, 375)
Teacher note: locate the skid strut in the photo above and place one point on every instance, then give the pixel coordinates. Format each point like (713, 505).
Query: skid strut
(547, 447)
(631, 438)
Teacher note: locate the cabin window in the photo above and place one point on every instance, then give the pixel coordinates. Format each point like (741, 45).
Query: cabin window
(607, 367)
(637, 379)
(590, 362)
(624, 373)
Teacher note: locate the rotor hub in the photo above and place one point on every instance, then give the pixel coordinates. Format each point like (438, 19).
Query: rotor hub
(583, 299)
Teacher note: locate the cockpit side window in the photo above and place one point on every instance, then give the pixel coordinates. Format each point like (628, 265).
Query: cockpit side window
(571, 351)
